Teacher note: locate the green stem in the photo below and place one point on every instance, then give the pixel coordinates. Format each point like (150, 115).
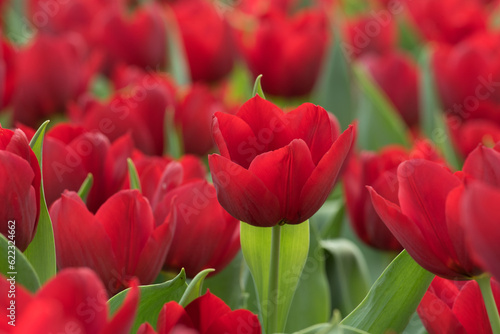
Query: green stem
(489, 301)
(272, 309)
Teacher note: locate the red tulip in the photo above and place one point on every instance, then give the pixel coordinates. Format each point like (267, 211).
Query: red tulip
(19, 187)
(467, 135)
(46, 81)
(426, 221)
(447, 21)
(379, 172)
(207, 314)
(455, 307)
(73, 301)
(260, 7)
(397, 76)
(288, 52)
(8, 58)
(208, 39)
(276, 167)
(119, 242)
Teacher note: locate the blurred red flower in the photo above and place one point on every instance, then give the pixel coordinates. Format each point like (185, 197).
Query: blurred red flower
(276, 167)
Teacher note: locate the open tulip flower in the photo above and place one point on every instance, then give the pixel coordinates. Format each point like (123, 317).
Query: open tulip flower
(207, 314)
(276, 167)
(74, 301)
(119, 242)
(19, 187)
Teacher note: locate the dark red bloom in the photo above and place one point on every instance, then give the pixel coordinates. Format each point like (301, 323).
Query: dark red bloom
(276, 167)
(207, 314)
(119, 242)
(468, 134)
(75, 300)
(287, 51)
(447, 21)
(8, 58)
(208, 39)
(19, 187)
(397, 76)
(377, 170)
(456, 307)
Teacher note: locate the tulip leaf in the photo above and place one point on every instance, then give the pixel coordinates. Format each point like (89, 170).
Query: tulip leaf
(173, 136)
(311, 302)
(432, 118)
(84, 190)
(15, 26)
(178, 67)
(20, 267)
(41, 252)
(393, 298)
(293, 250)
(240, 86)
(135, 182)
(152, 298)
(195, 287)
(257, 87)
(348, 274)
(379, 123)
(333, 90)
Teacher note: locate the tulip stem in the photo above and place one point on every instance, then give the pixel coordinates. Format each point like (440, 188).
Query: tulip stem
(485, 286)
(272, 310)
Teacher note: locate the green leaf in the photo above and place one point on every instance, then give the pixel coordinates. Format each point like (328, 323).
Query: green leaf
(135, 182)
(348, 274)
(431, 115)
(379, 123)
(240, 84)
(257, 87)
(152, 299)
(101, 87)
(333, 90)
(393, 298)
(16, 27)
(294, 246)
(173, 136)
(84, 190)
(178, 67)
(22, 270)
(41, 252)
(195, 287)
(311, 302)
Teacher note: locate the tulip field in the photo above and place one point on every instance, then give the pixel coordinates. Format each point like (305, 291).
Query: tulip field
(250, 166)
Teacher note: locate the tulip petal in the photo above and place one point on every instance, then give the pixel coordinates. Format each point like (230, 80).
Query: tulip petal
(470, 310)
(146, 329)
(284, 172)
(229, 131)
(408, 235)
(22, 300)
(481, 219)
(171, 315)
(204, 310)
(323, 178)
(484, 164)
(242, 194)
(124, 318)
(242, 320)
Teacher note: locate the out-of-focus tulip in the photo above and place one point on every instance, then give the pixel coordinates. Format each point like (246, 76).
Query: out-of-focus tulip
(287, 51)
(119, 242)
(8, 58)
(276, 167)
(260, 7)
(19, 188)
(46, 81)
(447, 21)
(73, 301)
(397, 76)
(455, 307)
(468, 134)
(208, 39)
(377, 170)
(426, 221)
(207, 314)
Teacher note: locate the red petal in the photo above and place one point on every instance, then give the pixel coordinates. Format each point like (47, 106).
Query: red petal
(481, 220)
(204, 310)
(22, 300)
(323, 178)
(239, 321)
(124, 318)
(146, 329)
(469, 309)
(243, 194)
(171, 315)
(484, 164)
(284, 172)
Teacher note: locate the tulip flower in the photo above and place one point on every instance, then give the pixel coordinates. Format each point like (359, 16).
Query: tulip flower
(276, 167)
(8, 58)
(426, 220)
(287, 51)
(467, 135)
(204, 315)
(119, 242)
(208, 39)
(73, 301)
(377, 170)
(403, 91)
(19, 187)
(455, 307)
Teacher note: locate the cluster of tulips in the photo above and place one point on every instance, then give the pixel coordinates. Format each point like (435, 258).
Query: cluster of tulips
(249, 166)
